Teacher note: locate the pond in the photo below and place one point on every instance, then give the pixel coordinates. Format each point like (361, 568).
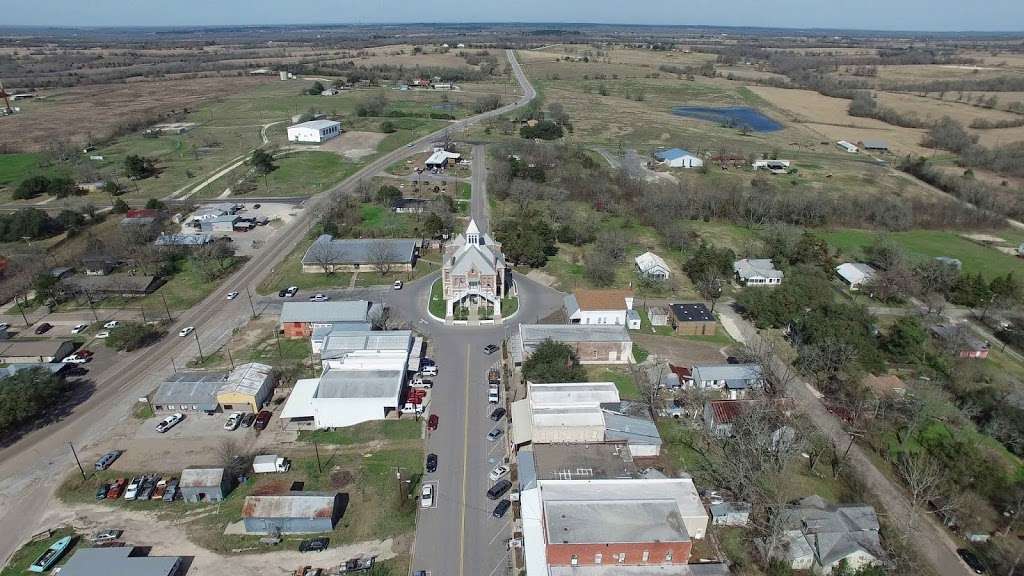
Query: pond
(733, 116)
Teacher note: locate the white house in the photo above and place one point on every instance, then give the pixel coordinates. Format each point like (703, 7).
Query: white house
(757, 272)
(314, 131)
(847, 146)
(855, 274)
(651, 265)
(599, 306)
(677, 158)
(440, 158)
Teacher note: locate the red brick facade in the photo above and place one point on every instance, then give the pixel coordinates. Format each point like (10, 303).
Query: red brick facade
(297, 329)
(591, 554)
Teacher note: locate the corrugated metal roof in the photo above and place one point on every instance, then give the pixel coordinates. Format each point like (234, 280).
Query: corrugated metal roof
(338, 311)
(316, 124)
(291, 505)
(118, 561)
(360, 383)
(247, 378)
(632, 429)
(536, 333)
(756, 267)
(671, 154)
(338, 343)
(727, 372)
(567, 417)
(201, 477)
(359, 250)
(573, 394)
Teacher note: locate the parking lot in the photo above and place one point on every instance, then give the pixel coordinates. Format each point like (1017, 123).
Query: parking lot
(248, 243)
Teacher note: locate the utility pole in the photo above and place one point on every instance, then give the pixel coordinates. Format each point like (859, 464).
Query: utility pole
(230, 359)
(198, 345)
(166, 308)
(77, 461)
(277, 336)
(316, 448)
(92, 307)
(21, 308)
(251, 305)
(143, 310)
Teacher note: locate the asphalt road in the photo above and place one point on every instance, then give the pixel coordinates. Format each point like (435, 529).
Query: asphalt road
(31, 468)
(478, 206)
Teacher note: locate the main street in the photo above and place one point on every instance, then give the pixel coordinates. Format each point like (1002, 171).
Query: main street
(32, 467)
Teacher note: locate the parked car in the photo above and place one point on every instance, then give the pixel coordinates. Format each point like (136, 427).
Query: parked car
(247, 419)
(499, 471)
(291, 291)
(432, 422)
(101, 492)
(420, 382)
(107, 459)
(112, 324)
(431, 462)
(501, 508)
(490, 349)
(397, 285)
(495, 434)
(169, 422)
(499, 489)
(79, 328)
(972, 560)
(498, 414)
(319, 298)
(103, 334)
(427, 496)
(314, 545)
(186, 331)
(43, 328)
(233, 421)
(132, 490)
(117, 488)
(232, 295)
(171, 491)
(158, 492)
(430, 370)
(4, 326)
(262, 419)
(148, 485)
(75, 359)
(108, 535)
(283, 293)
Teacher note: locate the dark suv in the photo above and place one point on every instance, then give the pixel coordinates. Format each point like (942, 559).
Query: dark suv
(314, 545)
(499, 489)
(971, 560)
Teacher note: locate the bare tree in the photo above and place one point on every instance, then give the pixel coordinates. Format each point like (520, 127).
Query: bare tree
(923, 477)
(709, 284)
(381, 257)
(232, 457)
(776, 374)
(380, 317)
(325, 255)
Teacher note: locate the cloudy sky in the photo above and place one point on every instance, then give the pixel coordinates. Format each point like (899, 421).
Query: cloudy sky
(946, 15)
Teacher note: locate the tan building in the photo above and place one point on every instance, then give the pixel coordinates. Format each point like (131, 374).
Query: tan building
(693, 319)
(474, 272)
(248, 387)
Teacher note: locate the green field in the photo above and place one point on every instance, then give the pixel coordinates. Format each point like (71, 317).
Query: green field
(16, 167)
(923, 244)
(620, 376)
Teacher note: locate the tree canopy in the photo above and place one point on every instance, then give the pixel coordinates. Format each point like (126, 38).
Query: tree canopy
(26, 395)
(553, 362)
(526, 237)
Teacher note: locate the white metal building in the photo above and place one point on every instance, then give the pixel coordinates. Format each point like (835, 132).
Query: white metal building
(855, 274)
(314, 131)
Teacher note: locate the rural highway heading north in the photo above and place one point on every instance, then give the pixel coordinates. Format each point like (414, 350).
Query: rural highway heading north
(32, 467)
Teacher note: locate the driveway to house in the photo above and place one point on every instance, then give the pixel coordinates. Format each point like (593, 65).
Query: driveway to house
(932, 542)
(32, 467)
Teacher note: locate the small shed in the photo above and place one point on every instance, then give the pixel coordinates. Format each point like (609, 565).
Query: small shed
(877, 145)
(658, 316)
(730, 514)
(292, 512)
(204, 484)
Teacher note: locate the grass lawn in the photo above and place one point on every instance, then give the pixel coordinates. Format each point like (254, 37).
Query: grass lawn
(16, 167)
(645, 325)
(28, 553)
(509, 306)
(373, 278)
(620, 376)
(465, 191)
(923, 244)
(640, 353)
(183, 291)
(289, 273)
(305, 173)
(437, 304)
(365, 432)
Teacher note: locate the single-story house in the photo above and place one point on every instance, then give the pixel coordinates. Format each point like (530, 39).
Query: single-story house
(877, 145)
(61, 272)
(248, 387)
(658, 316)
(593, 344)
(730, 513)
(693, 319)
(301, 319)
(122, 284)
(410, 205)
(757, 272)
(855, 274)
(293, 512)
(820, 536)
(98, 265)
(653, 266)
(960, 341)
(328, 254)
(735, 378)
(188, 392)
(677, 158)
(598, 306)
(211, 211)
(120, 561)
(440, 158)
(847, 146)
(186, 240)
(314, 131)
(204, 484)
(34, 351)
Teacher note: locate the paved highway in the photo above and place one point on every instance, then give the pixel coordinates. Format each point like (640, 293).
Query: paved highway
(31, 468)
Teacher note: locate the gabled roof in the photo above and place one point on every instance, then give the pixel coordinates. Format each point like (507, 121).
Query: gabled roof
(602, 299)
(855, 272)
(325, 312)
(649, 261)
(201, 477)
(537, 333)
(671, 154)
(727, 372)
(756, 267)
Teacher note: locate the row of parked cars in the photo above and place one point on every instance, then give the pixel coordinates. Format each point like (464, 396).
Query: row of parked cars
(248, 419)
(146, 487)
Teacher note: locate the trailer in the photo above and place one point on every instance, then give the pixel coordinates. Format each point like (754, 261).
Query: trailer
(266, 463)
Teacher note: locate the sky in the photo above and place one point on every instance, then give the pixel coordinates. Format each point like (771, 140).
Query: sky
(925, 15)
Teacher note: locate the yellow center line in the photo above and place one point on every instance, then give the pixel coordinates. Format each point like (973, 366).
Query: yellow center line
(465, 473)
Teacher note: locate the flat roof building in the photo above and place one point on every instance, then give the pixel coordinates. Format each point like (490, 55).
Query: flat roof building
(119, 561)
(693, 319)
(301, 319)
(593, 344)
